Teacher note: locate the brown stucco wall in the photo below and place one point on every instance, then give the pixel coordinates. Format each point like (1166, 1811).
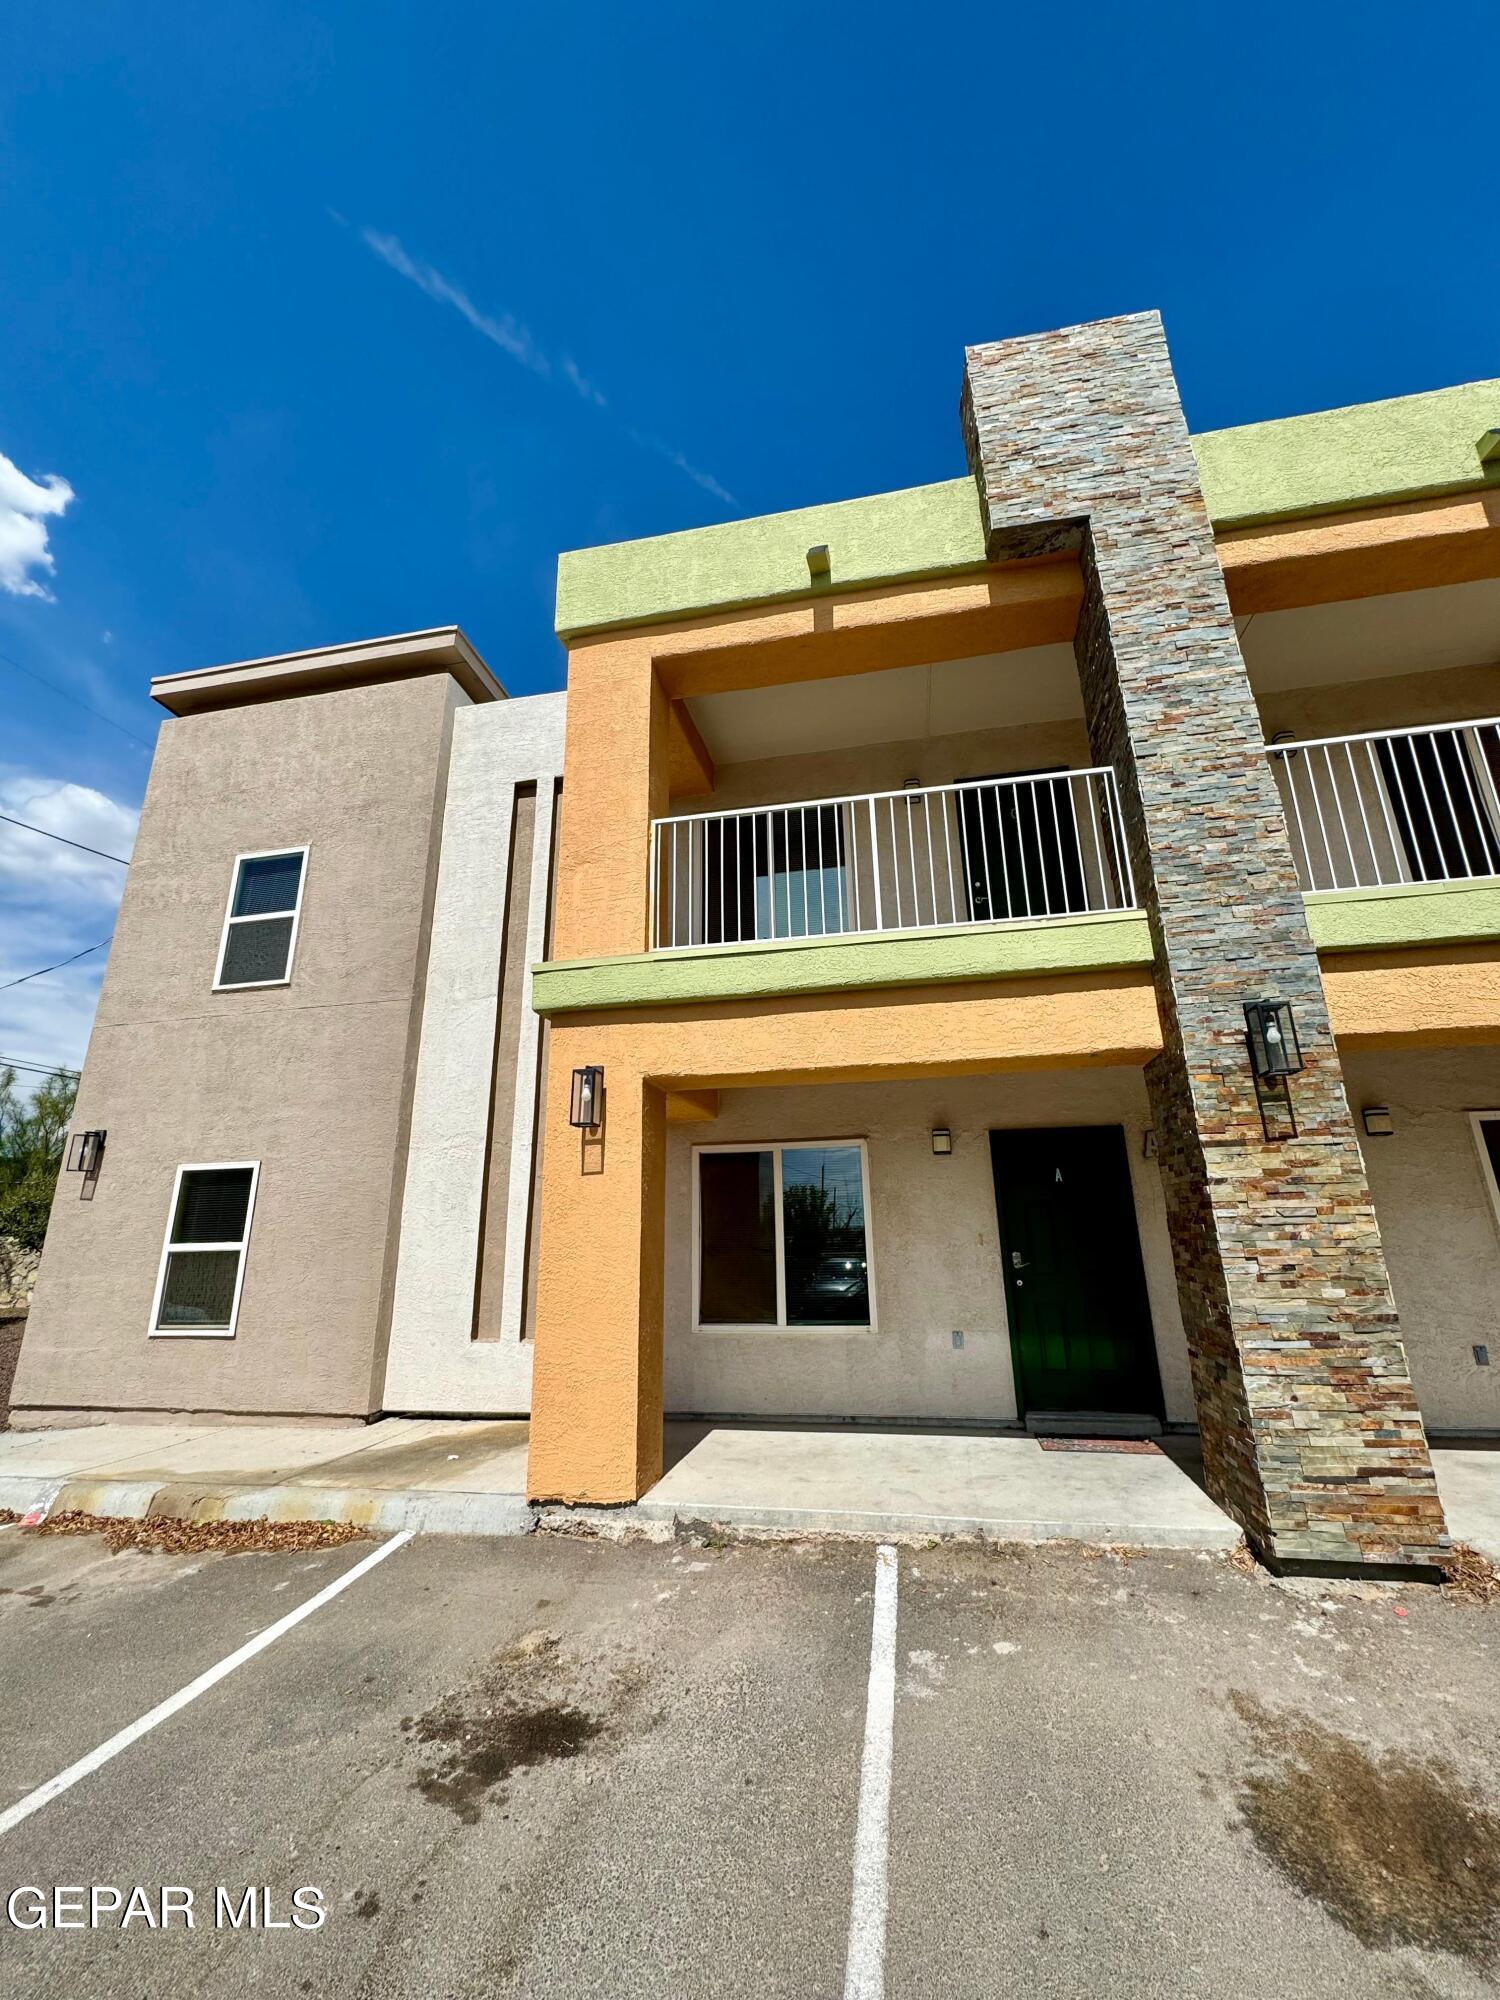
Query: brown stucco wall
(312, 1079)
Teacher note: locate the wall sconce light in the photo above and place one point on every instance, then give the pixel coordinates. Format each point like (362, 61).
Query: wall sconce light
(85, 1151)
(1272, 1035)
(819, 563)
(586, 1109)
(1148, 1143)
(942, 1139)
(1378, 1121)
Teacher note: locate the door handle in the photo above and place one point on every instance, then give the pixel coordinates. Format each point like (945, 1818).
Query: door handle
(1017, 1261)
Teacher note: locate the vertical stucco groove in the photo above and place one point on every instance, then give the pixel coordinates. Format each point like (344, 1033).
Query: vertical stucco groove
(491, 1252)
(463, 1109)
(521, 1190)
(436, 807)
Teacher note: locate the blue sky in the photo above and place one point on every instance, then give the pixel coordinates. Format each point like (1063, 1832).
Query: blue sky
(343, 319)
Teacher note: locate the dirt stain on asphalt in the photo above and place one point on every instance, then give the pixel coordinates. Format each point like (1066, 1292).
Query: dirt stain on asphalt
(1401, 1850)
(521, 1711)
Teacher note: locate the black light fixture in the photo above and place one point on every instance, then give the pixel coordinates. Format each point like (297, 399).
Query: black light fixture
(1272, 1035)
(85, 1151)
(942, 1140)
(1379, 1124)
(586, 1110)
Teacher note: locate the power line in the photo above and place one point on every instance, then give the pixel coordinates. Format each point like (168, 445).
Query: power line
(42, 971)
(47, 833)
(68, 695)
(41, 1069)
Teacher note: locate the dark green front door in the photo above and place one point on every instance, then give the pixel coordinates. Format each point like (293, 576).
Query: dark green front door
(1080, 1324)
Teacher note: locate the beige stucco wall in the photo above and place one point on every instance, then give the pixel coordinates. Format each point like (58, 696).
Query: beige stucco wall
(311, 1079)
(935, 1250)
(1442, 1241)
(1385, 701)
(880, 767)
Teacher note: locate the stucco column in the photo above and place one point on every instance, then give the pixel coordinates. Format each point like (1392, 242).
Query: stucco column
(1311, 1433)
(596, 1408)
(615, 783)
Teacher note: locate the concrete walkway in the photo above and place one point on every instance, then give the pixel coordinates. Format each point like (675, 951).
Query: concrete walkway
(469, 1478)
(443, 1477)
(1468, 1478)
(920, 1483)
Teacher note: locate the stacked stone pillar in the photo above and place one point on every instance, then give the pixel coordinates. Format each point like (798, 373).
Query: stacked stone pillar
(1311, 1434)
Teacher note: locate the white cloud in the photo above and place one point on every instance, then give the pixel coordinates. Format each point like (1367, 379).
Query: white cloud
(506, 333)
(25, 508)
(514, 339)
(38, 870)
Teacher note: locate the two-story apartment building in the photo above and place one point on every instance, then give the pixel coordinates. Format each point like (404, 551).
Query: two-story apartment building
(1024, 950)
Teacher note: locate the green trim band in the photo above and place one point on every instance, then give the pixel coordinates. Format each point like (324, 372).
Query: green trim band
(1409, 913)
(1404, 448)
(1105, 942)
(923, 532)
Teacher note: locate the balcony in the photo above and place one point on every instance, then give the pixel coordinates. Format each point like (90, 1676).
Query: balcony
(1393, 808)
(992, 851)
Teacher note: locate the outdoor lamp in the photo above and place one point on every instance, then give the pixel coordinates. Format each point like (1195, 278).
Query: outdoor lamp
(1272, 1035)
(587, 1107)
(85, 1150)
(942, 1139)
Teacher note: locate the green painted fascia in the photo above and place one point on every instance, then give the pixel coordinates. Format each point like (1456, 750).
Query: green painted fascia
(925, 531)
(841, 965)
(1410, 913)
(1404, 448)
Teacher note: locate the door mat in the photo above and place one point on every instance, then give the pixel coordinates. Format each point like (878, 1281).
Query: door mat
(1136, 1445)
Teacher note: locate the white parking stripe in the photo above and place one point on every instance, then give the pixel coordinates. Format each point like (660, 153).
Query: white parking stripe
(864, 1969)
(54, 1787)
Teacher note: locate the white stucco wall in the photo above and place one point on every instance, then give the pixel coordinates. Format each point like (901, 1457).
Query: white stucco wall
(434, 1363)
(1442, 1242)
(935, 1249)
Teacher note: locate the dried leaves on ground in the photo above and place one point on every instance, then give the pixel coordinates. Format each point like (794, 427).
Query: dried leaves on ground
(1469, 1577)
(168, 1536)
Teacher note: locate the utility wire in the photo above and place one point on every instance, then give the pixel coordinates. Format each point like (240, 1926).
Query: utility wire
(5, 985)
(68, 695)
(41, 1069)
(49, 835)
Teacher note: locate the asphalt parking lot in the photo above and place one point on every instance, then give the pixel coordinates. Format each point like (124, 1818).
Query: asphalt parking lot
(557, 1767)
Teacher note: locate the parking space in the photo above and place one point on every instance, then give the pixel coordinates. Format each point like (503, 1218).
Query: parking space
(559, 1768)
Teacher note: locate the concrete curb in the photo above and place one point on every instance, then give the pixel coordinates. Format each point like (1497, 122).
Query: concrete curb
(433, 1512)
(663, 1519)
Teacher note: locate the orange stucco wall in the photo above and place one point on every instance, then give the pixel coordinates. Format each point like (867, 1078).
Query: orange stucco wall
(1445, 995)
(596, 1423)
(596, 1384)
(1416, 546)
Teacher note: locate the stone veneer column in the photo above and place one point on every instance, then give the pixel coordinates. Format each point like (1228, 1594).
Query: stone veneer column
(1311, 1433)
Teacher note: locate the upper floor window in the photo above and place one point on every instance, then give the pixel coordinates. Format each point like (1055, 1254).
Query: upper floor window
(260, 925)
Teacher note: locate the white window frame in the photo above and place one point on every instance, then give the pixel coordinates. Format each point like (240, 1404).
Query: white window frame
(1477, 1120)
(242, 1246)
(221, 985)
(776, 1147)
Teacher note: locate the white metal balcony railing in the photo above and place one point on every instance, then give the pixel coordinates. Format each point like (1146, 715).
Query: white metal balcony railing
(993, 850)
(1392, 806)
